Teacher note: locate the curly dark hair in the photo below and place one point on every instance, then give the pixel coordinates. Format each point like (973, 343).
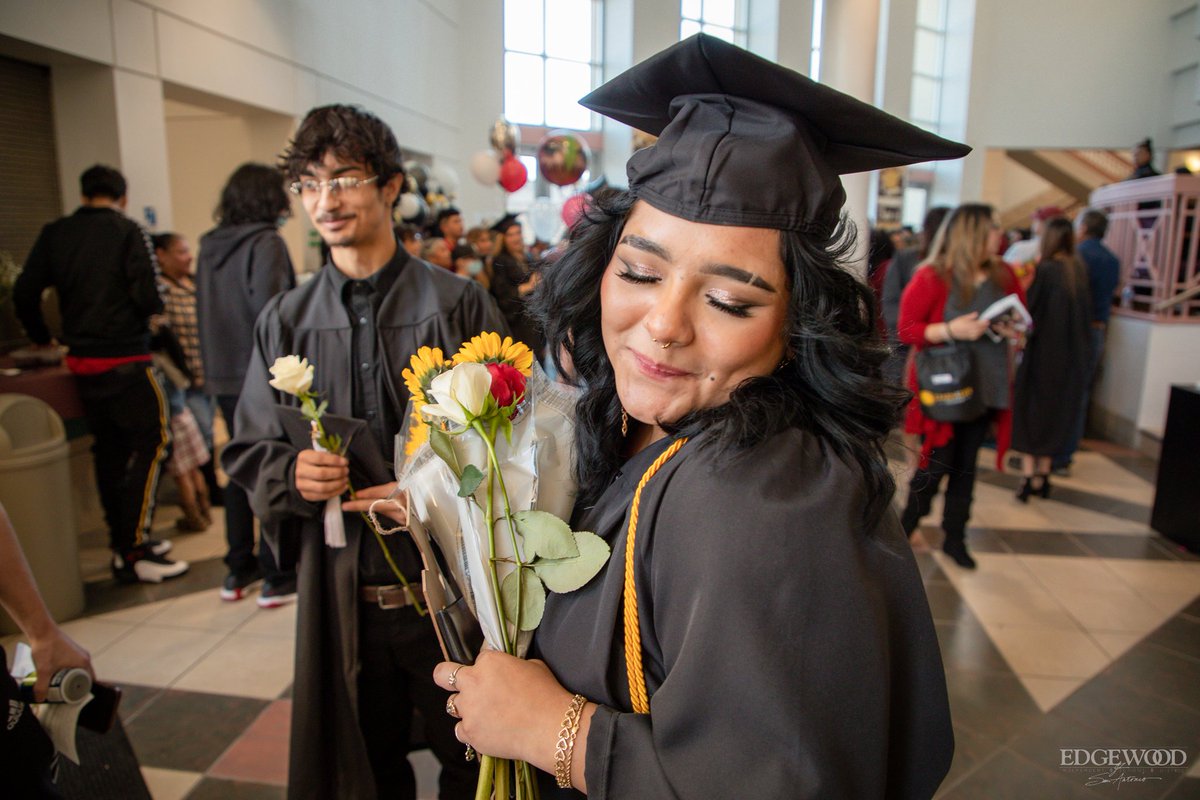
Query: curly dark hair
(253, 193)
(352, 134)
(831, 385)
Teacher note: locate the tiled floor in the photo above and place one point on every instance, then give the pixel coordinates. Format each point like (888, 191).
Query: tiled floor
(1080, 629)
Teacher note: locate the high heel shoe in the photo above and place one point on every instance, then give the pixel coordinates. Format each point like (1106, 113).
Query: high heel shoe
(1044, 487)
(1026, 490)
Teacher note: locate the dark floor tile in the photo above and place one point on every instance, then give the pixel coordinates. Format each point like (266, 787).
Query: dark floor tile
(217, 789)
(930, 571)
(189, 730)
(1161, 672)
(109, 595)
(1103, 504)
(1193, 609)
(1185, 789)
(1141, 466)
(966, 646)
(1044, 543)
(1181, 634)
(986, 540)
(992, 704)
(1116, 545)
(134, 698)
(945, 603)
(1008, 776)
(287, 693)
(970, 750)
(1177, 550)
(1106, 705)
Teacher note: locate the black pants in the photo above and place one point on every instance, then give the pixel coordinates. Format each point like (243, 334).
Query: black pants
(239, 520)
(398, 650)
(127, 415)
(956, 460)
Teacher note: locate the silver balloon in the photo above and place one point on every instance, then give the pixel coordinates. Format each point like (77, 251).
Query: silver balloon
(504, 136)
(419, 173)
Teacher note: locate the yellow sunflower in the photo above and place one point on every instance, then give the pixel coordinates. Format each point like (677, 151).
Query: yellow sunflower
(489, 348)
(418, 432)
(427, 364)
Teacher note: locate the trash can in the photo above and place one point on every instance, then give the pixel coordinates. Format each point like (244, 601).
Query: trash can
(35, 489)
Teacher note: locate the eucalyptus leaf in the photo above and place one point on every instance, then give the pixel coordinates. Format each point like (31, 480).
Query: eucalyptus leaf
(568, 574)
(545, 535)
(533, 598)
(470, 480)
(439, 440)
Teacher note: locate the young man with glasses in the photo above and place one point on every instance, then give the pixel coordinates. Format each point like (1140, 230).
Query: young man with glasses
(364, 654)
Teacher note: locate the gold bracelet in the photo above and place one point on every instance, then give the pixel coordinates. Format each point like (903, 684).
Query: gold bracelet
(566, 741)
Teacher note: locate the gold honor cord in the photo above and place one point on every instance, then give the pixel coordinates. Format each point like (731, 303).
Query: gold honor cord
(633, 633)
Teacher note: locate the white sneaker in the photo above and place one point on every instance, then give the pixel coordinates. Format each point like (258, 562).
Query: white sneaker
(160, 547)
(150, 568)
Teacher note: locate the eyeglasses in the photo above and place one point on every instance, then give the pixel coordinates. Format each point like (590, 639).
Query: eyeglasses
(346, 183)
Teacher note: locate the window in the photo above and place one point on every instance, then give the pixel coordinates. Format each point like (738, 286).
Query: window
(724, 19)
(925, 105)
(551, 59)
(814, 59)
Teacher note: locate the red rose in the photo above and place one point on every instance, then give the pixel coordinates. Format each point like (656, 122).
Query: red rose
(508, 384)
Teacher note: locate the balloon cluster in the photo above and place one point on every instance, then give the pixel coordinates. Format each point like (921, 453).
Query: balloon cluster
(427, 190)
(500, 164)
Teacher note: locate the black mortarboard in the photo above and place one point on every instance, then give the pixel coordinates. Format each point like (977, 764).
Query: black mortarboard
(744, 141)
(504, 223)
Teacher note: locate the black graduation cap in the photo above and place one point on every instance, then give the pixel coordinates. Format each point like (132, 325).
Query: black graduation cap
(504, 223)
(744, 141)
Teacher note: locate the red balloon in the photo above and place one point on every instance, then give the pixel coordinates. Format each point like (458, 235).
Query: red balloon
(513, 174)
(574, 207)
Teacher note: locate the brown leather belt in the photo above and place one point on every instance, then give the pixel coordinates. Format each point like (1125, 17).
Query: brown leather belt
(388, 597)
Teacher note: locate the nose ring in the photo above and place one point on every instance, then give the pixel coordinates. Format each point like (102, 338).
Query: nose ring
(663, 345)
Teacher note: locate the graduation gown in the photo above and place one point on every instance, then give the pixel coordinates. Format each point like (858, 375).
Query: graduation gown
(425, 306)
(1053, 375)
(789, 651)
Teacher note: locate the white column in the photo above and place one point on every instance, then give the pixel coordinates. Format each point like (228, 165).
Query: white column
(848, 64)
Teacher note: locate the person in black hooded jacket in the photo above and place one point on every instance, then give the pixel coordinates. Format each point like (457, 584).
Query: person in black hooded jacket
(243, 263)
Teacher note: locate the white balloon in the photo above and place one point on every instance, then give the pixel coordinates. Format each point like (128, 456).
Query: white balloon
(446, 177)
(410, 206)
(485, 167)
(544, 218)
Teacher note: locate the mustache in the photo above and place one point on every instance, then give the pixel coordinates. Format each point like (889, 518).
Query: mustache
(333, 217)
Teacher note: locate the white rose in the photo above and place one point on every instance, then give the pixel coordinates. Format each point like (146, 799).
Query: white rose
(461, 393)
(293, 375)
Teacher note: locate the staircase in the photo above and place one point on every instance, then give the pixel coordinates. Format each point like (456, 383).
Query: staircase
(1072, 176)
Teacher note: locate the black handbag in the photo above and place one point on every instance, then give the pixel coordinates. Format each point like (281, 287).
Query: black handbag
(946, 385)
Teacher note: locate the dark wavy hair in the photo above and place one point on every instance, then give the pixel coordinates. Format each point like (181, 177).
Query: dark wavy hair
(830, 385)
(350, 133)
(253, 193)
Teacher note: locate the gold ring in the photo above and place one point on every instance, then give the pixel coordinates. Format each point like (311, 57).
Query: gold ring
(450, 707)
(453, 679)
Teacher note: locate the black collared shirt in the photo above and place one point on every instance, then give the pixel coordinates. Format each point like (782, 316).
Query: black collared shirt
(372, 401)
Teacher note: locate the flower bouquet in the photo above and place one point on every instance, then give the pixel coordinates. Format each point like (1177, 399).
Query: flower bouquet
(489, 484)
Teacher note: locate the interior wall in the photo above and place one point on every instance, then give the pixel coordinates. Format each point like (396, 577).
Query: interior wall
(204, 147)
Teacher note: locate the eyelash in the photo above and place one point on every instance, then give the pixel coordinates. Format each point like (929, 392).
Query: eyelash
(628, 275)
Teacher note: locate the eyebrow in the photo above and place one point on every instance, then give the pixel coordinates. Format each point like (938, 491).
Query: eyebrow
(308, 170)
(722, 270)
(737, 274)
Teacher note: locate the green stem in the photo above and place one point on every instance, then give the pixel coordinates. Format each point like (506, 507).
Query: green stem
(391, 562)
(487, 774)
(508, 518)
(489, 521)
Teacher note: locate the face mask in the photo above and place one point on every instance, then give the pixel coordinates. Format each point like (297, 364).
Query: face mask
(474, 267)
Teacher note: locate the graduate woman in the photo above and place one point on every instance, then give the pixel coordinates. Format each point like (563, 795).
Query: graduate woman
(766, 633)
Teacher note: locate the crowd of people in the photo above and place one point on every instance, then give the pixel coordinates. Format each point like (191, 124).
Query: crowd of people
(710, 321)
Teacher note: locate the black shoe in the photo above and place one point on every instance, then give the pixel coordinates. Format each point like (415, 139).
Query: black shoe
(236, 584)
(1044, 486)
(1026, 490)
(957, 550)
(142, 565)
(277, 593)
